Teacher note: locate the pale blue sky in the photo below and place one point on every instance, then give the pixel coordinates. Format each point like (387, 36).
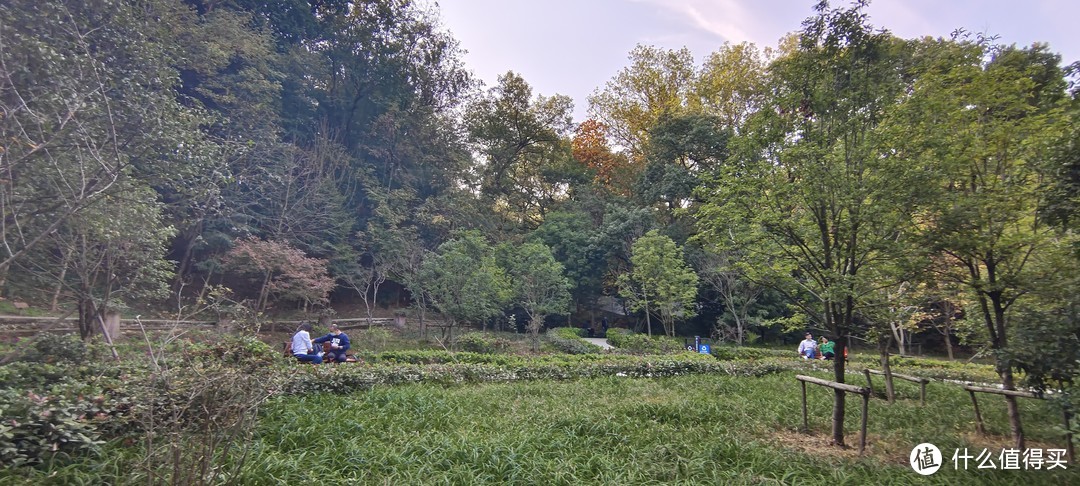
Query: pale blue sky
(573, 47)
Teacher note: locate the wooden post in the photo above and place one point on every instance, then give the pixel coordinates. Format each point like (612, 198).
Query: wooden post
(865, 392)
(805, 423)
(865, 411)
(869, 383)
(1068, 434)
(922, 392)
(111, 325)
(978, 416)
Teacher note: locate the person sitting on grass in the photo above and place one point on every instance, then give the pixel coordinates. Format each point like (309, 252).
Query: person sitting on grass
(301, 345)
(808, 347)
(826, 348)
(334, 344)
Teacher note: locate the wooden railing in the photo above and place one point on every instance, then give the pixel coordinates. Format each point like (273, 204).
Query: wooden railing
(858, 390)
(36, 324)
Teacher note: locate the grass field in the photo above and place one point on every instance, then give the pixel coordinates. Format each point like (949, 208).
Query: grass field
(738, 423)
(683, 430)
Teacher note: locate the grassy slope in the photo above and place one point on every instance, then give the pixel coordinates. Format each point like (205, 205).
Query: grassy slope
(689, 430)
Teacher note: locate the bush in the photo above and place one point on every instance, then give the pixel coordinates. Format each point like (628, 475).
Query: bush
(568, 340)
(35, 428)
(50, 411)
(478, 368)
(51, 348)
(243, 351)
(742, 352)
(476, 342)
(631, 342)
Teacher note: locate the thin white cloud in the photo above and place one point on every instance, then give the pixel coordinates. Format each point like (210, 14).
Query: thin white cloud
(722, 18)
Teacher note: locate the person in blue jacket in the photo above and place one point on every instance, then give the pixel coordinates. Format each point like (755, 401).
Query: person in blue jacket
(338, 344)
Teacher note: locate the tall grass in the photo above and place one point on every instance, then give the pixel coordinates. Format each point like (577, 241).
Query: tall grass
(689, 430)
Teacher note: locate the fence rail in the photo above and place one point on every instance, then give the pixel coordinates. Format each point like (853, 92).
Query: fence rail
(34, 323)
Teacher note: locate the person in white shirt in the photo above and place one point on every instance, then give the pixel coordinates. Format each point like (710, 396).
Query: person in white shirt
(808, 347)
(301, 345)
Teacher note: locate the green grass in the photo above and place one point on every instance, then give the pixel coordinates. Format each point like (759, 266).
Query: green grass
(696, 429)
(683, 430)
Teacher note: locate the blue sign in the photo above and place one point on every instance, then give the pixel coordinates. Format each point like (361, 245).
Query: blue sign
(704, 349)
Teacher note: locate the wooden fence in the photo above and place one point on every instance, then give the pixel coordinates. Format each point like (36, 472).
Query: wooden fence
(858, 390)
(29, 324)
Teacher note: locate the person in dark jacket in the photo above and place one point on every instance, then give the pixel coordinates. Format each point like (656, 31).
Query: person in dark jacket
(336, 344)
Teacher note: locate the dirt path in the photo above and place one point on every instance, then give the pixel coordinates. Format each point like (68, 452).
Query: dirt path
(602, 342)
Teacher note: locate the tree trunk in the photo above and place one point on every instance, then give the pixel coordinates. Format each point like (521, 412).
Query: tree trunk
(838, 397)
(59, 285)
(87, 316)
(883, 349)
(948, 344)
(1012, 409)
(648, 321)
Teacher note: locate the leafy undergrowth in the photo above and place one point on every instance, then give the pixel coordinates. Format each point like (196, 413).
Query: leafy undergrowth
(611, 430)
(442, 367)
(420, 417)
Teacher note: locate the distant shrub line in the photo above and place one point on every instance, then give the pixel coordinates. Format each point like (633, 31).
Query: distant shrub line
(60, 398)
(458, 368)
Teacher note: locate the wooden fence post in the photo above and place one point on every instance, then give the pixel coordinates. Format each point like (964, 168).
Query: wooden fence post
(865, 392)
(805, 423)
(1068, 433)
(865, 412)
(978, 416)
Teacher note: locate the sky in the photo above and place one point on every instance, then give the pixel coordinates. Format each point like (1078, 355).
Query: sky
(573, 47)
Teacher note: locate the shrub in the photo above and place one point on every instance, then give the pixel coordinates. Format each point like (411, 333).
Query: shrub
(479, 343)
(631, 342)
(243, 351)
(742, 352)
(35, 428)
(477, 368)
(51, 348)
(568, 340)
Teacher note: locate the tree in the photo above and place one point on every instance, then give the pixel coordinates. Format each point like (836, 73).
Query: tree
(657, 83)
(590, 146)
(89, 111)
(571, 236)
(280, 271)
(732, 83)
(110, 257)
(537, 283)
(985, 116)
(464, 281)
(738, 294)
(523, 142)
(660, 281)
(808, 198)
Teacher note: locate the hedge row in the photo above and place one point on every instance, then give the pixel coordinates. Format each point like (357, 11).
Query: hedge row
(346, 379)
(568, 340)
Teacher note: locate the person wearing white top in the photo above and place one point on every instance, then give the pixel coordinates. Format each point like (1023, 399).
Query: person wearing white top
(808, 347)
(301, 345)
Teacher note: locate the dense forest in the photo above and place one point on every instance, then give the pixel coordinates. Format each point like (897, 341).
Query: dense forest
(245, 156)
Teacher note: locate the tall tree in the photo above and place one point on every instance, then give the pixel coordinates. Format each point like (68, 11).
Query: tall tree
(88, 112)
(732, 83)
(657, 83)
(523, 142)
(464, 281)
(985, 116)
(537, 283)
(808, 197)
(660, 281)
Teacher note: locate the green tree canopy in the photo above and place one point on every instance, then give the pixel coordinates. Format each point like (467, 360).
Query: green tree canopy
(660, 281)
